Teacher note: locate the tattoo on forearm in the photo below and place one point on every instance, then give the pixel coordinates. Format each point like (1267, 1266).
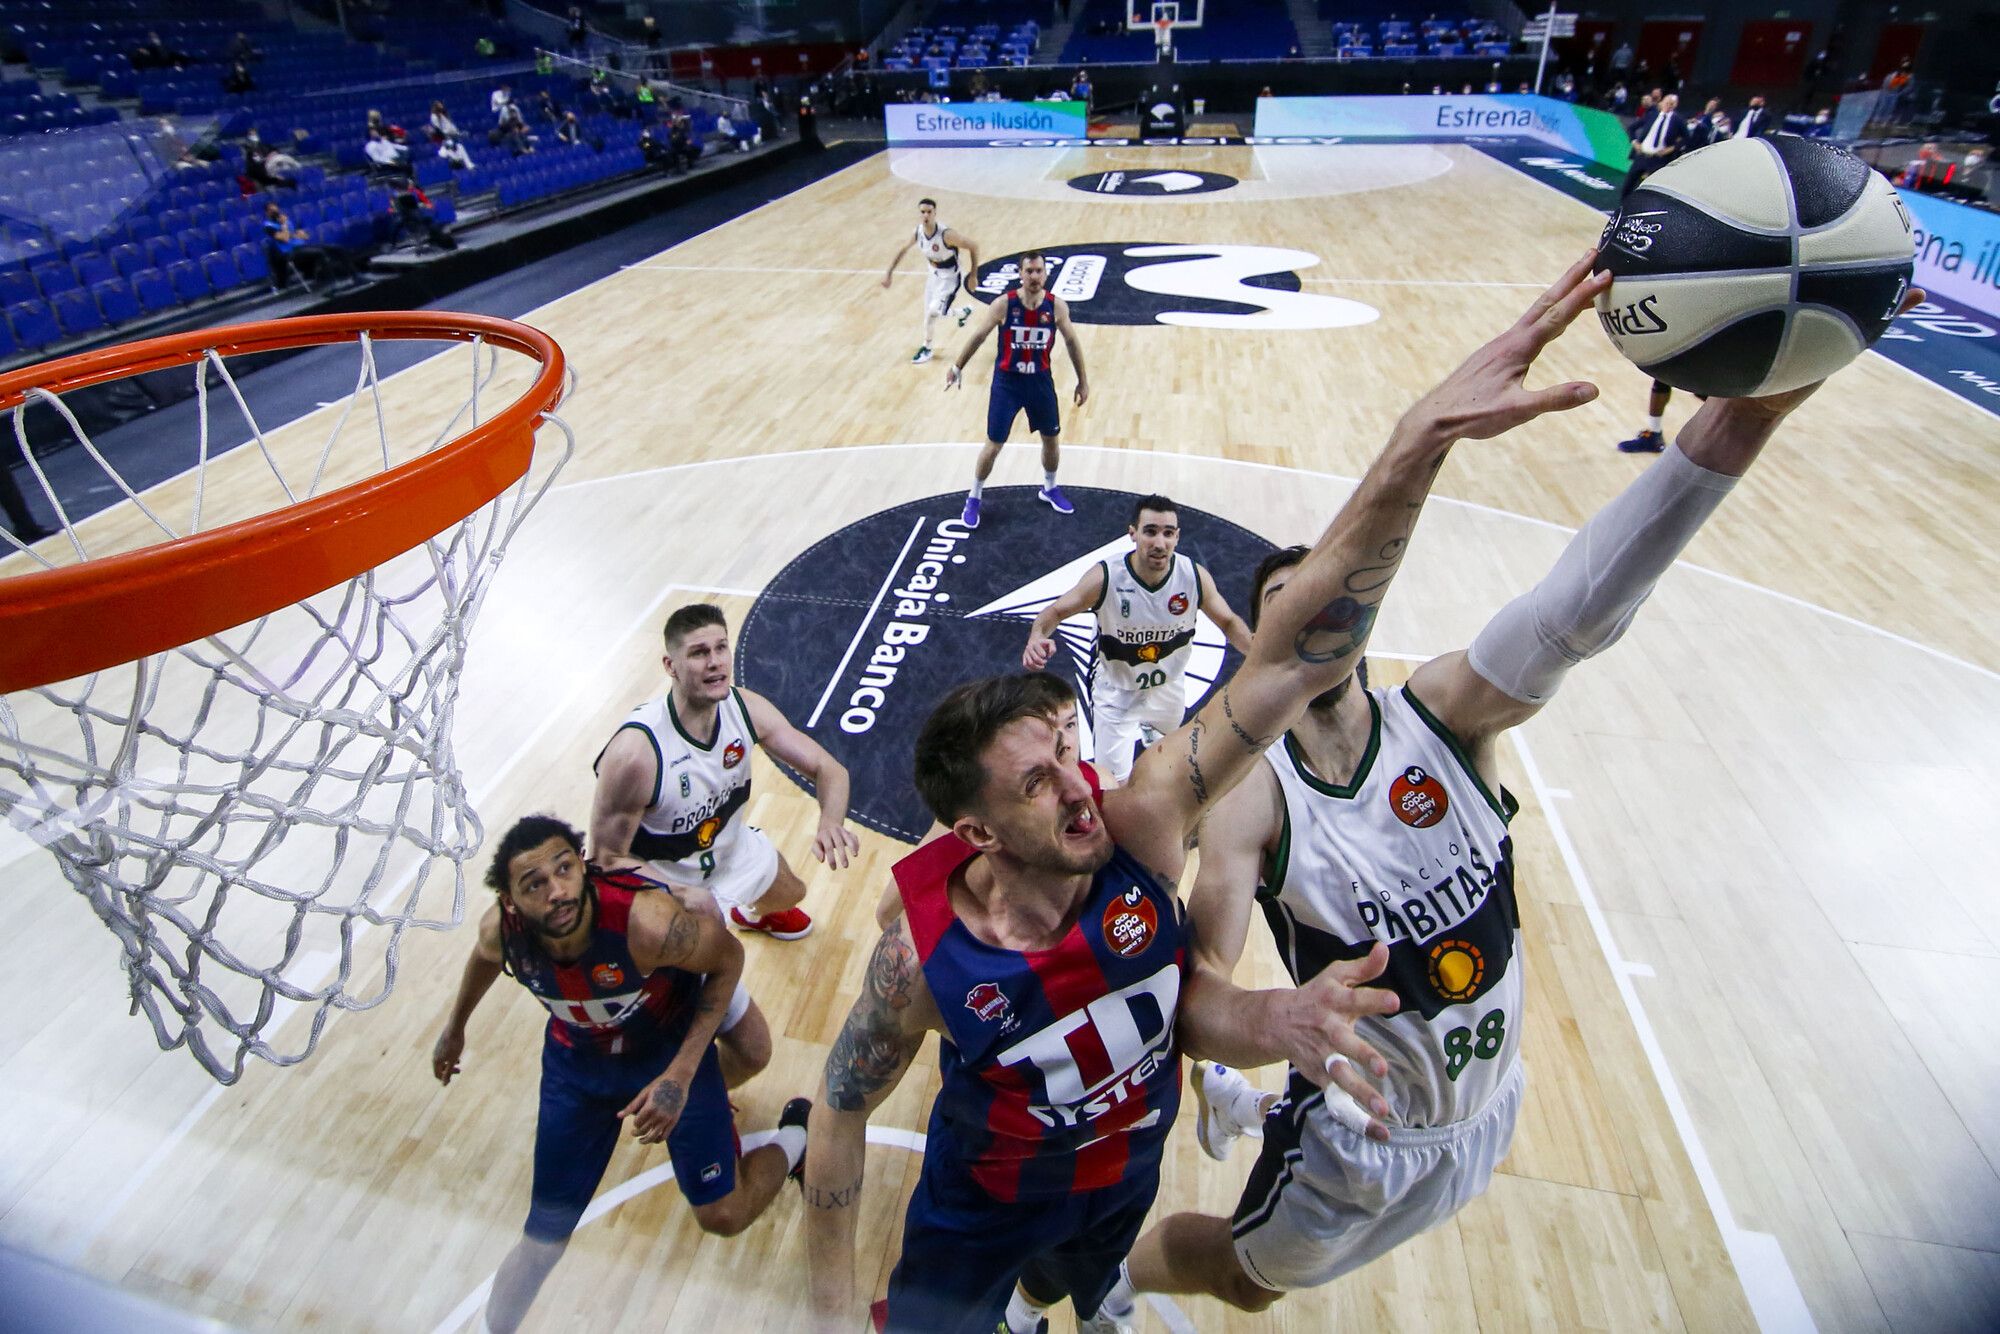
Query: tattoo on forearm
(1254, 743)
(668, 1098)
(839, 1198)
(872, 1046)
(1196, 778)
(1335, 631)
(1370, 578)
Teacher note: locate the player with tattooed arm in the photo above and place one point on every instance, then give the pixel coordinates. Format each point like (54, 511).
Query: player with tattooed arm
(1379, 821)
(1046, 944)
(636, 985)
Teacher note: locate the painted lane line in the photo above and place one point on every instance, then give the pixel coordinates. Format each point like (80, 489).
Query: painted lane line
(1768, 1283)
(866, 620)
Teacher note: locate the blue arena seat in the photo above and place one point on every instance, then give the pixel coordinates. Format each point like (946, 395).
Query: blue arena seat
(249, 260)
(185, 277)
(34, 325)
(152, 290)
(16, 286)
(76, 313)
(127, 260)
(92, 268)
(115, 300)
(220, 271)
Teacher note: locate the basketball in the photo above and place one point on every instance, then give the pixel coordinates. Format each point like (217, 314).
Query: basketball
(1754, 266)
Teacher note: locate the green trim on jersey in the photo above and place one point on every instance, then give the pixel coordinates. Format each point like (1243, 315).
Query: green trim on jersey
(748, 725)
(1200, 598)
(1105, 590)
(1505, 805)
(659, 759)
(1279, 861)
(1150, 588)
(1353, 785)
(674, 716)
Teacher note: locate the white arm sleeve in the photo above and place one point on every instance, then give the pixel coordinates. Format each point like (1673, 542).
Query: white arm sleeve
(1584, 603)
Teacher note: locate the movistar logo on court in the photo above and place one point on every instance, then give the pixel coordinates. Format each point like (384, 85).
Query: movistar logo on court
(1193, 286)
(860, 635)
(1154, 184)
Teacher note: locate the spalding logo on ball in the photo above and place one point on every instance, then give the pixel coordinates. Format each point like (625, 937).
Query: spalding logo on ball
(1754, 266)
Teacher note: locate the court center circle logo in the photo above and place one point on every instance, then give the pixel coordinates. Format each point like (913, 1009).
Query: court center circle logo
(1252, 287)
(1152, 184)
(863, 632)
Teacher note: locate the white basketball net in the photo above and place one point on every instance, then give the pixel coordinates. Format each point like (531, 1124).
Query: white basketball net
(243, 810)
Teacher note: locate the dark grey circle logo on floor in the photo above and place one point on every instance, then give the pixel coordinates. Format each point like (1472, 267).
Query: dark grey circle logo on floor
(1155, 181)
(858, 638)
(1198, 286)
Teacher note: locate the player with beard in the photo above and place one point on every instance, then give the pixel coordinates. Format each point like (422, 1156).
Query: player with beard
(636, 985)
(1146, 605)
(1028, 318)
(1380, 821)
(1048, 948)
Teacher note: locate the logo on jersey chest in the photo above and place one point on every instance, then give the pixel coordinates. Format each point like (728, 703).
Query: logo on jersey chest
(1130, 923)
(706, 831)
(607, 975)
(1456, 967)
(1094, 1059)
(1177, 604)
(1422, 911)
(732, 755)
(687, 787)
(1418, 799)
(992, 1006)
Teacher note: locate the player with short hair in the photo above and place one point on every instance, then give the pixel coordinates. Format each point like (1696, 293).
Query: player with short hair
(1046, 944)
(1380, 821)
(939, 245)
(673, 781)
(1028, 318)
(636, 984)
(1146, 607)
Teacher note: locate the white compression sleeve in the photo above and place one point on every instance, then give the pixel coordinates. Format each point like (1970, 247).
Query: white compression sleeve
(1584, 603)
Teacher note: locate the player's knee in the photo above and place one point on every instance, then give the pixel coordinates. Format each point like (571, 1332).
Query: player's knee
(724, 1217)
(749, 1049)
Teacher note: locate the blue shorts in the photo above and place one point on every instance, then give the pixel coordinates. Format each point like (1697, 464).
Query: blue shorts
(1012, 392)
(582, 1093)
(963, 1250)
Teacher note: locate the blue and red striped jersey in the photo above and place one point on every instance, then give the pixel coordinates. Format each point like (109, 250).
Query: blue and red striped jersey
(1026, 336)
(601, 999)
(1061, 1067)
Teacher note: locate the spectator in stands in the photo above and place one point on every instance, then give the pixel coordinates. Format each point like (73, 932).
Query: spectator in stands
(415, 216)
(1621, 60)
(575, 30)
(1566, 86)
(1615, 101)
(654, 150)
(1756, 121)
(451, 152)
(723, 137)
(548, 109)
(237, 80)
(502, 98)
(682, 150)
(1080, 89)
(1701, 129)
(389, 130)
(386, 157)
(568, 131)
(441, 123)
(279, 242)
(643, 95)
(1919, 172)
(289, 250)
(1822, 126)
(1657, 139)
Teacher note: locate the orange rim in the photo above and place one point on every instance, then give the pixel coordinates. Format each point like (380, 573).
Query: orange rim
(69, 622)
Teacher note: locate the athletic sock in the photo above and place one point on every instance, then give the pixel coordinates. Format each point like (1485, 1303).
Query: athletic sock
(1653, 424)
(1118, 1302)
(1023, 1316)
(1048, 481)
(792, 1139)
(1246, 1108)
(978, 485)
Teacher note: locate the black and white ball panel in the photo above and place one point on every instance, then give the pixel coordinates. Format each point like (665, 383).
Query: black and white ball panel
(1754, 266)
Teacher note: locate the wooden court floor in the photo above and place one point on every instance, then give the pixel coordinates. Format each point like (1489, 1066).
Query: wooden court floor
(1760, 922)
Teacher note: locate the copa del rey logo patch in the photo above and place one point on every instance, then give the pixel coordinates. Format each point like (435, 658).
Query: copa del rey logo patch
(607, 975)
(1418, 799)
(1177, 603)
(732, 755)
(1130, 923)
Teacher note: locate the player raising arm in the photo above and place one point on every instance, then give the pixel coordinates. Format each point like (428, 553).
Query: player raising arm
(939, 245)
(1046, 945)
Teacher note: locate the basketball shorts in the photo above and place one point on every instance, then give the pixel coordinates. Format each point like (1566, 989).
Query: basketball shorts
(1013, 392)
(746, 864)
(1324, 1199)
(583, 1091)
(963, 1250)
(1121, 721)
(940, 286)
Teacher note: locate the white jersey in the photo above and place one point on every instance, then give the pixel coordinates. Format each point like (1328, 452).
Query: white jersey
(1413, 852)
(933, 248)
(1145, 631)
(691, 823)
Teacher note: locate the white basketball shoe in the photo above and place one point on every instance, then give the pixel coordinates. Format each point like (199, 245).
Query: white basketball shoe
(1227, 1110)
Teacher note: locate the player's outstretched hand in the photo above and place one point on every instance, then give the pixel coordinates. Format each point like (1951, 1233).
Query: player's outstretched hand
(1316, 1027)
(886, 279)
(1036, 655)
(1485, 397)
(1082, 392)
(834, 844)
(444, 1056)
(952, 377)
(657, 1109)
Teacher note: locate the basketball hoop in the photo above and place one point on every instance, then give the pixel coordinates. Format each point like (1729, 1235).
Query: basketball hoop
(1163, 35)
(236, 740)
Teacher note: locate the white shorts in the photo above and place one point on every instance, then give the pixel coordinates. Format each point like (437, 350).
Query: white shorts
(1324, 1199)
(1122, 719)
(744, 868)
(739, 1005)
(939, 288)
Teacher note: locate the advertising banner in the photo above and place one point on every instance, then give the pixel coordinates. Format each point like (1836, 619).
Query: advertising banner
(1958, 251)
(983, 122)
(1585, 131)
